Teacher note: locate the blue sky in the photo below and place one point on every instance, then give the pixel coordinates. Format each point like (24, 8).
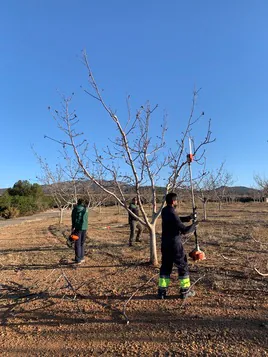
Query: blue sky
(152, 50)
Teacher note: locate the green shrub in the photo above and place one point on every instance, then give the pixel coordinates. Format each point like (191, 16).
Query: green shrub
(5, 201)
(24, 199)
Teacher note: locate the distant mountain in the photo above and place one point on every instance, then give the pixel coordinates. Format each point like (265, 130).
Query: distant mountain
(234, 190)
(240, 190)
(81, 186)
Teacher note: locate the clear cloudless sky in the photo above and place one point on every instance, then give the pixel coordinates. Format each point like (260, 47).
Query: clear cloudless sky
(151, 49)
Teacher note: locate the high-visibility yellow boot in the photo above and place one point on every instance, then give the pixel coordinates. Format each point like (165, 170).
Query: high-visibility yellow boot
(163, 284)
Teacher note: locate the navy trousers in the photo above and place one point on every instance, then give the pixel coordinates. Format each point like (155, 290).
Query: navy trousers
(79, 246)
(173, 253)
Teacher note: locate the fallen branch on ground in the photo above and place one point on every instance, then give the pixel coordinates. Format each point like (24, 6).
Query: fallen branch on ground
(69, 285)
(231, 259)
(258, 241)
(135, 292)
(190, 288)
(260, 272)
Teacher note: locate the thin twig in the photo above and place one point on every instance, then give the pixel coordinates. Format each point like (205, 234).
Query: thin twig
(257, 241)
(72, 288)
(231, 259)
(69, 284)
(190, 288)
(37, 283)
(135, 292)
(260, 272)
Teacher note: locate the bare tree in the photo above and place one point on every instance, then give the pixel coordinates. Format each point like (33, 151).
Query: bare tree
(262, 183)
(92, 193)
(213, 186)
(61, 183)
(134, 158)
(205, 189)
(226, 180)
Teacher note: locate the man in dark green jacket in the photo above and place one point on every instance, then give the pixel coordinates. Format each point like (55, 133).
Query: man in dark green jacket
(134, 223)
(80, 226)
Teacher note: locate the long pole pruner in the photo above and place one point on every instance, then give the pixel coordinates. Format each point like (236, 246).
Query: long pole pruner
(197, 253)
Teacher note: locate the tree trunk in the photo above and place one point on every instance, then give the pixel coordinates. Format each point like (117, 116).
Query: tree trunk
(205, 210)
(153, 252)
(61, 215)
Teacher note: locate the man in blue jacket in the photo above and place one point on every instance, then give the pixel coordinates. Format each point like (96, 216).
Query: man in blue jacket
(172, 248)
(80, 226)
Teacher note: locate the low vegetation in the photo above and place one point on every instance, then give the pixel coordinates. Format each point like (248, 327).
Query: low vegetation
(24, 199)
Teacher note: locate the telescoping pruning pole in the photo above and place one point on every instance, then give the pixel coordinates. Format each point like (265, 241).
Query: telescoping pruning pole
(197, 253)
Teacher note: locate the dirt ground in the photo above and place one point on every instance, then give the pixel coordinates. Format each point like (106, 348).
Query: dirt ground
(51, 307)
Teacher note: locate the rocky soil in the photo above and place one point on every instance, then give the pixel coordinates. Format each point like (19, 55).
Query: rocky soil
(108, 307)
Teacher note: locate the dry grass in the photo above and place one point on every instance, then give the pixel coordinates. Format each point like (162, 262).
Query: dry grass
(51, 307)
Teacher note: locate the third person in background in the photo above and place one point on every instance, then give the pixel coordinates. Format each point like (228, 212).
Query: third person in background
(134, 224)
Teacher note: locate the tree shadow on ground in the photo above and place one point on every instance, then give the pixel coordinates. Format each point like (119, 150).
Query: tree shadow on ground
(21, 267)
(35, 249)
(213, 327)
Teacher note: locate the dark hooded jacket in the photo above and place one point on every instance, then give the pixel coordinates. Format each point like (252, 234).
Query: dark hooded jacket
(172, 225)
(80, 218)
(135, 210)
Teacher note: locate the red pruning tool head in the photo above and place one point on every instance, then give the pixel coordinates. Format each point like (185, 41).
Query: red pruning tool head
(197, 254)
(190, 158)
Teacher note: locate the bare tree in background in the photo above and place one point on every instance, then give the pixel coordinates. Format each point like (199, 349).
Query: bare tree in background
(62, 183)
(213, 186)
(262, 183)
(225, 181)
(134, 157)
(257, 194)
(93, 194)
